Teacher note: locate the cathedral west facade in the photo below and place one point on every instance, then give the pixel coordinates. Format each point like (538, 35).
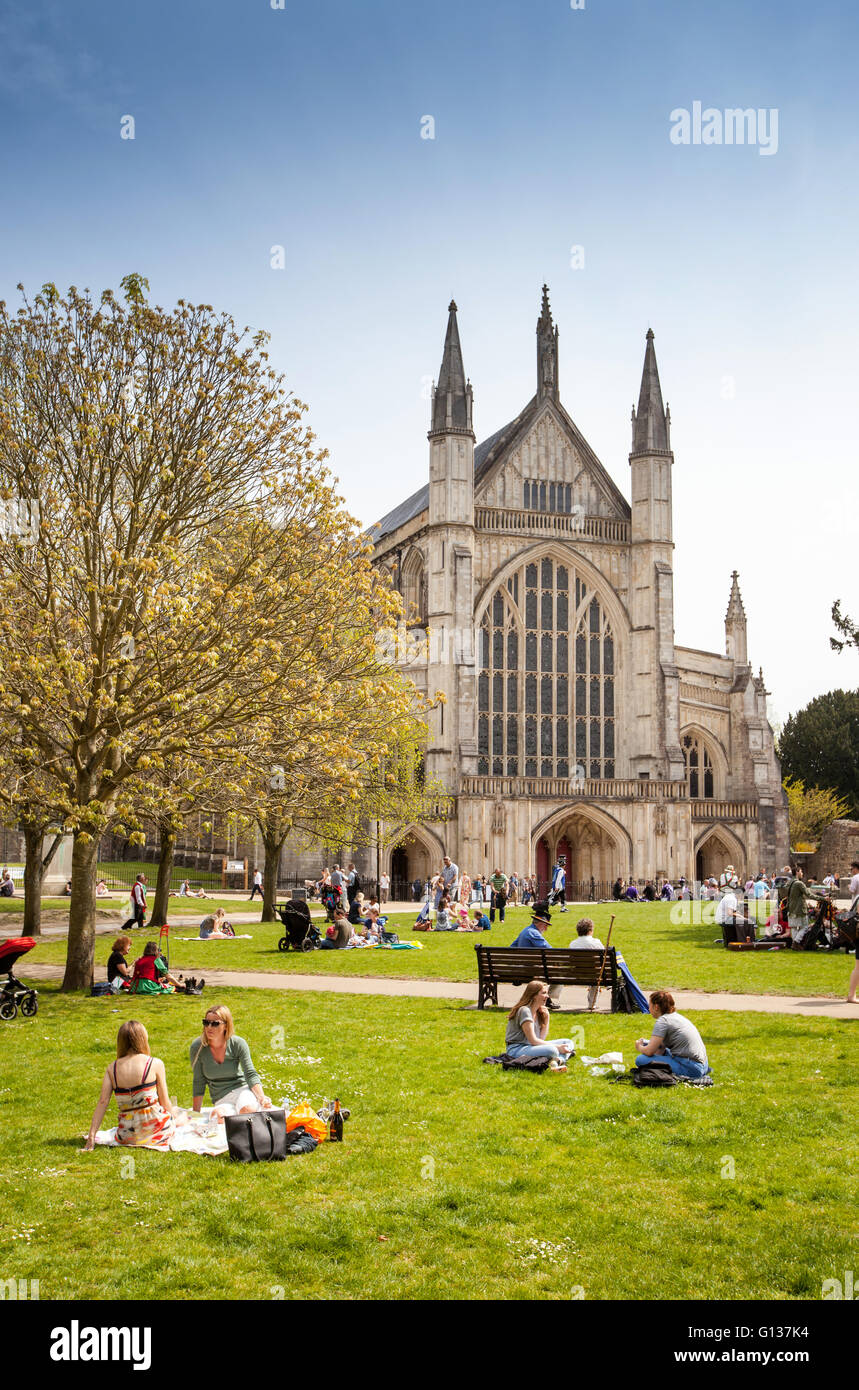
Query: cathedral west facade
(540, 602)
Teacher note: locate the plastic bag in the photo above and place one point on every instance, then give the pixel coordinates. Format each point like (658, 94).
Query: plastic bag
(304, 1115)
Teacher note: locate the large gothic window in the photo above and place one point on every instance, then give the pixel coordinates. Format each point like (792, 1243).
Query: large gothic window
(546, 687)
(699, 767)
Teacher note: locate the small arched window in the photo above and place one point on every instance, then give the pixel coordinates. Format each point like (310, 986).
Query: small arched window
(699, 768)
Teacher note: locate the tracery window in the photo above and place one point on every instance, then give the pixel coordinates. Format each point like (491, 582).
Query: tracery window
(546, 684)
(699, 767)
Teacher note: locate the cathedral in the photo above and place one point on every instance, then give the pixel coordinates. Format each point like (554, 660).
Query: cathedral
(540, 602)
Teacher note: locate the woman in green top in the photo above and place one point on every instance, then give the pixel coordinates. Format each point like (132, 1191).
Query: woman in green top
(222, 1061)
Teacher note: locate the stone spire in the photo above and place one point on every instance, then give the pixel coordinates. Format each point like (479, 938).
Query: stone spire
(547, 352)
(651, 425)
(735, 624)
(452, 397)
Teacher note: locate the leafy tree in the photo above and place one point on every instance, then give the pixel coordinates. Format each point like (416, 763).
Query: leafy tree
(168, 598)
(819, 745)
(810, 810)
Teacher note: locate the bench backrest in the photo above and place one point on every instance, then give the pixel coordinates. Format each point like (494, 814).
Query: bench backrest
(552, 964)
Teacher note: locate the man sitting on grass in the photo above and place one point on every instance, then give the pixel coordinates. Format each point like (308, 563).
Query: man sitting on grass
(675, 1040)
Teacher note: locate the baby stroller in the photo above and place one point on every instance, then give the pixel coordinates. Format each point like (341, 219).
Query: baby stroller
(12, 993)
(301, 934)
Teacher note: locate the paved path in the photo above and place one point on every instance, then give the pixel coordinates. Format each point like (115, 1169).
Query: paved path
(574, 999)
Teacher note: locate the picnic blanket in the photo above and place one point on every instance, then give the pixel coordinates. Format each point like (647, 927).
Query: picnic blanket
(199, 1136)
(239, 936)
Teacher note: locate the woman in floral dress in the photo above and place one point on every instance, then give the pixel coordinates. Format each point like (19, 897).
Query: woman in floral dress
(139, 1082)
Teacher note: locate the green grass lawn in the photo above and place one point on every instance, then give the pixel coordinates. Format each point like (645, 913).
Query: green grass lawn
(659, 952)
(456, 1180)
(118, 901)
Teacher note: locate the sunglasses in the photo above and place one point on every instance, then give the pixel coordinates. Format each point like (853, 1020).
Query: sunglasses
(213, 1023)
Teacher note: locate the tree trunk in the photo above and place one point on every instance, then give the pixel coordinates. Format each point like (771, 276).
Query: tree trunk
(81, 946)
(273, 845)
(165, 870)
(34, 873)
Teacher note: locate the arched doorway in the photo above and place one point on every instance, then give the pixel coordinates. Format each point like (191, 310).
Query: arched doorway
(716, 849)
(414, 858)
(595, 850)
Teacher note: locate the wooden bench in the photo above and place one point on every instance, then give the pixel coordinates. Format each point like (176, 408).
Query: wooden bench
(513, 965)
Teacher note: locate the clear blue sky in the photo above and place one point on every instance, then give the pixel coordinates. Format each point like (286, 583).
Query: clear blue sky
(301, 127)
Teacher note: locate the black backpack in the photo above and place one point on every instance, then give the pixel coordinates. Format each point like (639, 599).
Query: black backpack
(654, 1074)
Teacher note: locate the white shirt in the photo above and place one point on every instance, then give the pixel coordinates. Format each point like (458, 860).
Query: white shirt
(257, 879)
(854, 885)
(586, 943)
(726, 908)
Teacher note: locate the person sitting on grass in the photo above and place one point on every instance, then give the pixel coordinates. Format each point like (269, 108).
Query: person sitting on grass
(527, 1027)
(150, 975)
(216, 925)
(139, 1082)
(7, 885)
(373, 924)
(481, 921)
(357, 908)
(443, 916)
(674, 1040)
(186, 891)
(118, 974)
(222, 1061)
(339, 934)
(631, 893)
(101, 889)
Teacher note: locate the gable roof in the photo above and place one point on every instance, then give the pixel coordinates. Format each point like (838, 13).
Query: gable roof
(487, 455)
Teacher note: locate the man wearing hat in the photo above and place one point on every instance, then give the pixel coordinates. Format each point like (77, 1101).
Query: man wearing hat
(728, 879)
(534, 936)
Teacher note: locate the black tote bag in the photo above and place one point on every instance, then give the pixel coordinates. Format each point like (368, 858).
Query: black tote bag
(257, 1138)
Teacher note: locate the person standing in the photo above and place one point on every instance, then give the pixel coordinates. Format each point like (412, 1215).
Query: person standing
(138, 903)
(449, 877)
(558, 893)
(338, 883)
(853, 983)
(384, 887)
(498, 898)
(353, 883)
(465, 891)
(798, 895)
(257, 888)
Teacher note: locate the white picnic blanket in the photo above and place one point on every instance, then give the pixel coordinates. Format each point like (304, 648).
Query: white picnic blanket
(239, 936)
(197, 1136)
